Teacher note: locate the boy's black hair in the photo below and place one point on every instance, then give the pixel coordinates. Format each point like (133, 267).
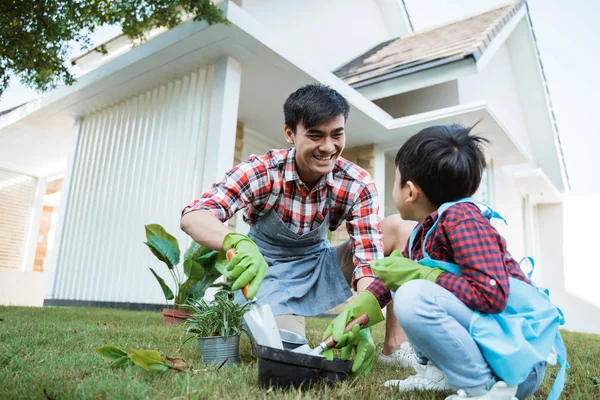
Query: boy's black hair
(445, 161)
(312, 105)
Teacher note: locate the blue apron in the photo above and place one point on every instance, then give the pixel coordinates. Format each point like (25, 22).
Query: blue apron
(522, 335)
(304, 276)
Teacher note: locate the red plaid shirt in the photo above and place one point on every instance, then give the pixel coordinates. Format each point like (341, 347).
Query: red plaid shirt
(465, 237)
(270, 181)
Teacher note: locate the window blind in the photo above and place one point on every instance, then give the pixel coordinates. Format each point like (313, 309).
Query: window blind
(16, 197)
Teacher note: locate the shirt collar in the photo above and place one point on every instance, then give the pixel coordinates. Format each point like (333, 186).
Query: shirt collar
(429, 220)
(290, 172)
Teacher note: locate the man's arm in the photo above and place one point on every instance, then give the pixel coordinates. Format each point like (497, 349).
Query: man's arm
(203, 219)
(205, 228)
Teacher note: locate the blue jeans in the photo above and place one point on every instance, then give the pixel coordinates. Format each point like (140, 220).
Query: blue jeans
(436, 323)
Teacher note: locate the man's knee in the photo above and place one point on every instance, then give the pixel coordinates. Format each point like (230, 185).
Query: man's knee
(396, 232)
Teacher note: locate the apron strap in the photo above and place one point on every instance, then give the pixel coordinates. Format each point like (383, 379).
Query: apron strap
(530, 259)
(559, 381)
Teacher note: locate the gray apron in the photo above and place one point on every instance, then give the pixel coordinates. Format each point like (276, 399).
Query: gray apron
(304, 275)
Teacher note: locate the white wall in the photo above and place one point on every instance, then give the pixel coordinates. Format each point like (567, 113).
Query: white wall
(496, 85)
(574, 286)
(137, 162)
(331, 32)
(508, 203)
(21, 288)
(532, 99)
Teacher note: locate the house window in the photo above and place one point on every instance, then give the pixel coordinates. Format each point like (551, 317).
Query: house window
(16, 196)
(485, 192)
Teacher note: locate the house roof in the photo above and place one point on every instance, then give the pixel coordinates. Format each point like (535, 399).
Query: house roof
(468, 37)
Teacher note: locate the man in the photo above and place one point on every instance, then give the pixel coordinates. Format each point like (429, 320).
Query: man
(292, 198)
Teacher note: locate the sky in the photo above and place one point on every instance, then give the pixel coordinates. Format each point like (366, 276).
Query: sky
(567, 33)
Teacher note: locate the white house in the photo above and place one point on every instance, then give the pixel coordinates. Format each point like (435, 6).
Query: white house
(147, 129)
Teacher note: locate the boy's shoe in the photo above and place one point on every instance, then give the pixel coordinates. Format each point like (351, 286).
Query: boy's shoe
(404, 356)
(428, 377)
(500, 391)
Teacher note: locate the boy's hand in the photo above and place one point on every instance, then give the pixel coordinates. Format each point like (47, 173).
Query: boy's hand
(395, 270)
(362, 341)
(247, 265)
(357, 338)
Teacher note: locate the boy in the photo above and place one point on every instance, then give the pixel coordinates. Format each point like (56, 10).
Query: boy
(452, 303)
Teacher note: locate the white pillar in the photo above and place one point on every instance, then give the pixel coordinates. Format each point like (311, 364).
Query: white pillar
(222, 122)
(33, 231)
(379, 177)
(53, 253)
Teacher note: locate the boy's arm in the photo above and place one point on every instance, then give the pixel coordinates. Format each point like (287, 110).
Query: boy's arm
(479, 251)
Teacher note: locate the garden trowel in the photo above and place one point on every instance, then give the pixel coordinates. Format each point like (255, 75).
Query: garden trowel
(260, 319)
(362, 320)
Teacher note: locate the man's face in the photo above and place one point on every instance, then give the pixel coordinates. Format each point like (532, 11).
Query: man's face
(317, 148)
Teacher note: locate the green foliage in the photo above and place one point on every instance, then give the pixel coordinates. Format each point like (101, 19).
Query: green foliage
(221, 317)
(36, 35)
(149, 360)
(201, 266)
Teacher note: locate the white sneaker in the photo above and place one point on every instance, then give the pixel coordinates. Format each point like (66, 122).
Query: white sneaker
(500, 391)
(404, 356)
(428, 377)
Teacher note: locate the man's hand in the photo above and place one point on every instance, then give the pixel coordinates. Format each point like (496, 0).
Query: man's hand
(395, 270)
(357, 339)
(247, 265)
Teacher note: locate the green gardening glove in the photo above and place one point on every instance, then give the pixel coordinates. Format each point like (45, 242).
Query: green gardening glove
(395, 270)
(247, 265)
(357, 339)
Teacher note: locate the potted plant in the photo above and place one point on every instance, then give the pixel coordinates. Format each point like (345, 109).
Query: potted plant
(217, 326)
(200, 268)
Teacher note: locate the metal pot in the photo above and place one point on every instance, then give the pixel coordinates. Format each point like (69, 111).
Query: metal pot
(217, 349)
(291, 340)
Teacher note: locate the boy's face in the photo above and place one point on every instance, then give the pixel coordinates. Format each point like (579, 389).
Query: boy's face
(317, 148)
(403, 199)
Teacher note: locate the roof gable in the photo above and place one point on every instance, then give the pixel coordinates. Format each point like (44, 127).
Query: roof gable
(468, 37)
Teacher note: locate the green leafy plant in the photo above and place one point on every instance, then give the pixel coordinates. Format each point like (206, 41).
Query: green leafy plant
(150, 360)
(201, 267)
(222, 316)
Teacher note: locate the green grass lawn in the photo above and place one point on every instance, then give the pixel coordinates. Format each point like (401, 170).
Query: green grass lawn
(49, 353)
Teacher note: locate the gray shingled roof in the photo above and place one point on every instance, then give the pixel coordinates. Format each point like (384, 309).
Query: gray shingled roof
(467, 37)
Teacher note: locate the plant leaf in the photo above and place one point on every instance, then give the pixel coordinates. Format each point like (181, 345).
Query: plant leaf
(120, 361)
(221, 263)
(158, 367)
(111, 352)
(184, 293)
(193, 251)
(157, 230)
(166, 252)
(147, 359)
(166, 290)
(193, 269)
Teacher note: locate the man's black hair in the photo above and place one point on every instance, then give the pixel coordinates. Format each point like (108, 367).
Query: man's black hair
(313, 105)
(445, 161)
